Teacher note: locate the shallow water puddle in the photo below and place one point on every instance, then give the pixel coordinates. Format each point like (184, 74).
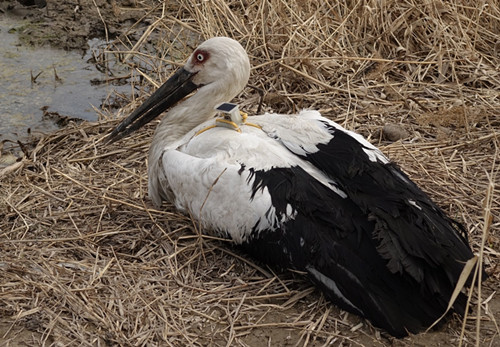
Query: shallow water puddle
(31, 78)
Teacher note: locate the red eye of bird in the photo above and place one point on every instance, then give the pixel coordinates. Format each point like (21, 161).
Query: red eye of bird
(201, 56)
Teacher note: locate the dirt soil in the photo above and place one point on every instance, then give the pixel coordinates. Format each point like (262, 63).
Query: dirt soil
(69, 24)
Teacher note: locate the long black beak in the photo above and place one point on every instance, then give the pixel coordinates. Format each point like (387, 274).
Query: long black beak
(173, 90)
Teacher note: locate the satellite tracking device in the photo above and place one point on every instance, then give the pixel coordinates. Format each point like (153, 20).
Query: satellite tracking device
(231, 112)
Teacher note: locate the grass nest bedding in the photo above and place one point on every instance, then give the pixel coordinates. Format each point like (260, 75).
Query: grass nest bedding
(87, 260)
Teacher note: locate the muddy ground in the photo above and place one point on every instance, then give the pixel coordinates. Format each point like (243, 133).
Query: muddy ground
(69, 24)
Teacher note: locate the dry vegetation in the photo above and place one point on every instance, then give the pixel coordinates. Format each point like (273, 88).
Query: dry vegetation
(86, 260)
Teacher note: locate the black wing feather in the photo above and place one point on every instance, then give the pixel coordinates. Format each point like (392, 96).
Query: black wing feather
(418, 240)
(392, 254)
(332, 236)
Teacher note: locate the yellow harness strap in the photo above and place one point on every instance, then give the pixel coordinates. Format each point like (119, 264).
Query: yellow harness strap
(222, 121)
(253, 125)
(229, 124)
(205, 129)
(244, 115)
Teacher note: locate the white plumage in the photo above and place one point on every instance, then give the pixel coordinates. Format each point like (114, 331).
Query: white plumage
(217, 194)
(300, 191)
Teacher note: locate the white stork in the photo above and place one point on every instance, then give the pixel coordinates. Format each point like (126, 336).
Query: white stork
(301, 192)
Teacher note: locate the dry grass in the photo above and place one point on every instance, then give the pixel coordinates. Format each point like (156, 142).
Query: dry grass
(86, 260)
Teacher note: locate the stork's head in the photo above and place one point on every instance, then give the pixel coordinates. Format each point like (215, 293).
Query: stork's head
(218, 67)
(219, 60)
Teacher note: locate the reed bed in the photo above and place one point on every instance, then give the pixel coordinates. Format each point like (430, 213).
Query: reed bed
(86, 259)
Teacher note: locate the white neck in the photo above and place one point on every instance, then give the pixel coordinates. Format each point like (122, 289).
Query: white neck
(188, 114)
